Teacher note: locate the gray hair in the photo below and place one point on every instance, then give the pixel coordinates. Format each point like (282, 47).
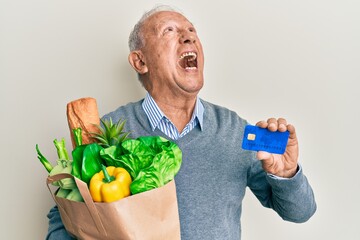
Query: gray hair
(136, 40)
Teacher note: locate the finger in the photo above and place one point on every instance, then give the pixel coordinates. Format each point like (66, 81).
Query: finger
(292, 131)
(262, 124)
(282, 124)
(263, 156)
(267, 161)
(272, 124)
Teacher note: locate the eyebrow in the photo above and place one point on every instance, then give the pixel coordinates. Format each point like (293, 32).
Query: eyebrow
(159, 26)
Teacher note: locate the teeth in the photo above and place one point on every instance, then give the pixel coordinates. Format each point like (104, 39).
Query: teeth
(190, 68)
(187, 54)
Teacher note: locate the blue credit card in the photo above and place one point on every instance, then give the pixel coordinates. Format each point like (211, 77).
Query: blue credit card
(262, 139)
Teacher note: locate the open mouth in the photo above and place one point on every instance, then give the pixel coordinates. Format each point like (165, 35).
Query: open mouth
(188, 61)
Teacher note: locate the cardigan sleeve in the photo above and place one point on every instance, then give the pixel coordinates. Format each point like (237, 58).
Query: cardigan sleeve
(292, 198)
(56, 230)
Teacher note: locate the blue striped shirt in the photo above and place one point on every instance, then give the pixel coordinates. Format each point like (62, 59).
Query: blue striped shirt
(158, 119)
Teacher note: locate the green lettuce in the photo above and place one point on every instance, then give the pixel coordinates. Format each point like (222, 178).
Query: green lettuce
(151, 161)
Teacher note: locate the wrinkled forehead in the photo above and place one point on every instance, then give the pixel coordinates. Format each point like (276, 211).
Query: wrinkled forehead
(164, 17)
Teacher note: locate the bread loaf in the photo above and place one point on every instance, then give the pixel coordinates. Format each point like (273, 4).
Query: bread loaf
(83, 113)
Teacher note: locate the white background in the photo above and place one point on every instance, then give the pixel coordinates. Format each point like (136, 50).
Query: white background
(294, 59)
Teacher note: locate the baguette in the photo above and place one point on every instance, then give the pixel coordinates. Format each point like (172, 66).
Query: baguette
(83, 113)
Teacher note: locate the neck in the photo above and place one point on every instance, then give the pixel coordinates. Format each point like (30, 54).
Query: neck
(179, 111)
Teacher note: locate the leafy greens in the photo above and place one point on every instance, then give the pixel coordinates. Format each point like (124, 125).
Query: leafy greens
(152, 161)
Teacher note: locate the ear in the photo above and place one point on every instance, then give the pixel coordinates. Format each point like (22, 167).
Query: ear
(136, 59)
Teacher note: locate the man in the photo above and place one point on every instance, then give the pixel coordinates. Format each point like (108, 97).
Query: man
(168, 57)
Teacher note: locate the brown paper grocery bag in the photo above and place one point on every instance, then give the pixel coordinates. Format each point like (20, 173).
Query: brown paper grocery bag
(149, 215)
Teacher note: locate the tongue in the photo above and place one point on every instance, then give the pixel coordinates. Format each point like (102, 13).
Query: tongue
(191, 63)
(188, 62)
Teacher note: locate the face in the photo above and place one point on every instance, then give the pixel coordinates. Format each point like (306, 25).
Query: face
(172, 55)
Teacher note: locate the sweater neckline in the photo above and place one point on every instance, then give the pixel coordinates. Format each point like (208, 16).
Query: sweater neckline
(190, 137)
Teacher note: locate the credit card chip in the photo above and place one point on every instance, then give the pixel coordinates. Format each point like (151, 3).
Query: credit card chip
(251, 136)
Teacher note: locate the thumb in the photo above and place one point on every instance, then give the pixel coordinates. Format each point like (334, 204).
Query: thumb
(267, 161)
(261, 155)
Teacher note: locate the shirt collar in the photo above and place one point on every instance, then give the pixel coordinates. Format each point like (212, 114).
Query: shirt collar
(155, 115)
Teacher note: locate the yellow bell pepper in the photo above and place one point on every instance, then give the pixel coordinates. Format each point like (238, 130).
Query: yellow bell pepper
(110, 184)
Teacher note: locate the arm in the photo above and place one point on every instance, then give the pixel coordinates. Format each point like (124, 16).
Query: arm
(279, 182)
(56, 229)
(294, 197)
(291, 198)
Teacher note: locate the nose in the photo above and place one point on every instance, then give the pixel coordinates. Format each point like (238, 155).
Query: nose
(187, 37)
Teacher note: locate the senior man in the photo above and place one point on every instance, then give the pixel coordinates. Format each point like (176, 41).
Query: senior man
(167, 54)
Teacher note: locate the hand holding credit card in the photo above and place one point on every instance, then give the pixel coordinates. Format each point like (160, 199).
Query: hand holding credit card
(261, 139)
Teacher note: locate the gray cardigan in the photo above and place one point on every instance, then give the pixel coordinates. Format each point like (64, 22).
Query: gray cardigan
(214, 175)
